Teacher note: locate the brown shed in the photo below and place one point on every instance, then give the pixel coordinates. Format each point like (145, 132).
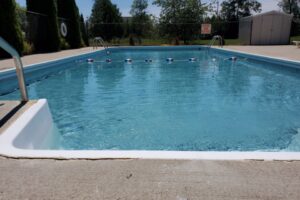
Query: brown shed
(270, 28)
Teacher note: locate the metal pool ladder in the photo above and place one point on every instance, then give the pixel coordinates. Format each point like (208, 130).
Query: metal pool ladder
(19, 68)
(98, 41)
(214, 39)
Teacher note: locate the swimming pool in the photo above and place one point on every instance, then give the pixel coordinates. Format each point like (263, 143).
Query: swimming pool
(208, 103)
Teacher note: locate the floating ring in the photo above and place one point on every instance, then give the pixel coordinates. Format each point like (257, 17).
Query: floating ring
(63, 29)
(170, 60)
(90, 60)
(148, 61)
(128, 60)
(193, 59)
(233, 58)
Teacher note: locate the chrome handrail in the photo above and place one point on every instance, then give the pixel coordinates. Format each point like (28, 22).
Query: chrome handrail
(19, 67)
(100, 41)
(216, 37)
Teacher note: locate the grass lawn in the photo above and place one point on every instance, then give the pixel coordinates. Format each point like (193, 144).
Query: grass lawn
(227, 42)
(295, 38)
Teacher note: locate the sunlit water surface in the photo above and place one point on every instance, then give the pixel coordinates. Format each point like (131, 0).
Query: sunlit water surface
(212, 104)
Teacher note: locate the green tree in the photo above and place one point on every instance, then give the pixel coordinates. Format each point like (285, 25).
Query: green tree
(214, 7)
(180, 19)
(140, 19)
(84, 31)
(21, 14)
(233, 10)
(290, 7)
(106, 20)
(68, 10)
(46, 36)
(127, 29)
(10, 29)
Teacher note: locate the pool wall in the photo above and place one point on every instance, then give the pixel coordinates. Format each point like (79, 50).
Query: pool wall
(33, 130)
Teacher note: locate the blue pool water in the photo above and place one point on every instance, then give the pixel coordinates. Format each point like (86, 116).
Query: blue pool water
(212, 104)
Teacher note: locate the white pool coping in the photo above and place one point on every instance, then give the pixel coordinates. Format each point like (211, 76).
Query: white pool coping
(33, 124)
(28, 123)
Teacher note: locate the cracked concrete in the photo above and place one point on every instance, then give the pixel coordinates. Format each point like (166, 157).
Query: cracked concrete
(290, 52)
(43, 57)
(148, 179)
(9, 106)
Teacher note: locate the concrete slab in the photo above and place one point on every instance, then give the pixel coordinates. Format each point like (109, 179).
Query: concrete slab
(290, 52)
(6, 107)
(148, 179)
(38, 58)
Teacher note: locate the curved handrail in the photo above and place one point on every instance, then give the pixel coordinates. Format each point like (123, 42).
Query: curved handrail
(216, 37)
(99, 40)
(19, 67)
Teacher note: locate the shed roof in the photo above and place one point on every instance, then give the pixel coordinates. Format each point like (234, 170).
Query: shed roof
(273, 12)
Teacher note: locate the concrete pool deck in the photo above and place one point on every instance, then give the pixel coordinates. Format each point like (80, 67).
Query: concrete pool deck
(38, 58)
(6, 107)
(151, 179)
(10, 111)
(290, 52)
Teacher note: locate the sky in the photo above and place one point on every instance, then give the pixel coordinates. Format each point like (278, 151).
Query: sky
(85, 6)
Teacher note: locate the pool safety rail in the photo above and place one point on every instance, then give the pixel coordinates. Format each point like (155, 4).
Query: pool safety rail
(214, 39)
(19, 68)
(98, 41)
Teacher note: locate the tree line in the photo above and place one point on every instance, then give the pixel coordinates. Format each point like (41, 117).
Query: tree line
(42, 19)
(178, 21)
